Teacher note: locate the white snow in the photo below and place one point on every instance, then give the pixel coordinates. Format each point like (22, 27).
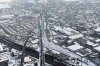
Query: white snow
(67, 30)
(2, 33)
(55, 41)
(5, 0)
(13, 50)
(1, 48)
(12, 61)
(54, 33)
(44, 49)
(35, 46)
(76, 36)
(91, 38)
(91, 43)
(71, 0)
(75, 47)
(97, 48)
(28, 64)
(27, 59)
(98, 29)
(55, 52)
(80, 54)
(2, 6)
(57, 28)
(35, 41)
(7, 16)
(98, 40)
(70, 29)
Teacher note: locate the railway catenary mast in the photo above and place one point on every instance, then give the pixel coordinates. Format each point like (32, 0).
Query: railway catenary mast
(41, 54)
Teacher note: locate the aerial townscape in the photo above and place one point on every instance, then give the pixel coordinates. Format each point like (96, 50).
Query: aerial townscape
(49, 32)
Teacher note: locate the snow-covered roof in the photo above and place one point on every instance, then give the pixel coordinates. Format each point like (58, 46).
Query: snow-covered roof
(54, 33)
(70, 0)
(91, 38)
(76, 36)
(28, 64)
(91, 43)
(2, 32)
(98, 29)
(55, 52)
(44, 49)
(57, 28)
(35, 46)
(98, 40)
(2, 6)
(1, 48)
(55, 41)
(66, 30)
(35, 41)
(27, 59)
(70, 29)
(97, 48)
(7, 16)
(80, 54)
(15, 51)
(75, 47)
(5, 0)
